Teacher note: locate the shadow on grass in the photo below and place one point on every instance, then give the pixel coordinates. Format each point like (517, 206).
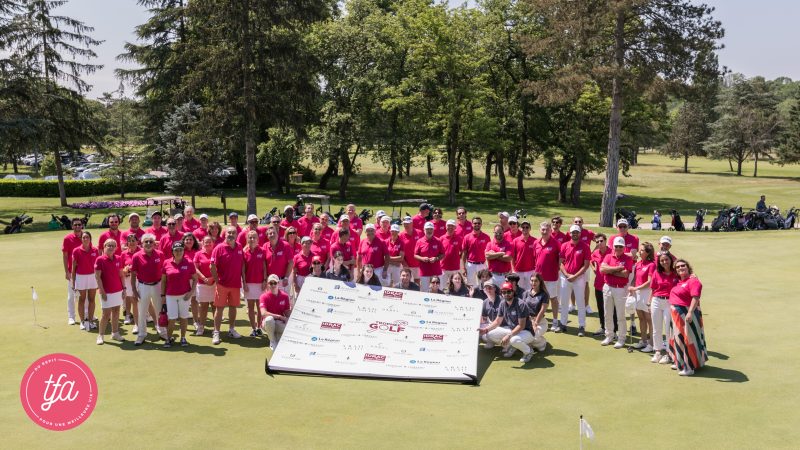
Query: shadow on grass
(750, 175)
(717, 355)
(721, 374)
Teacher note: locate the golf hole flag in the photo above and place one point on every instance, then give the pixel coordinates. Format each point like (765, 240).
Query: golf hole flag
(344, 329)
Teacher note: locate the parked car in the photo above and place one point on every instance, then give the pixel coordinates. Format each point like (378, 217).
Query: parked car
(12, 176)
(51, 178)
(87, 175)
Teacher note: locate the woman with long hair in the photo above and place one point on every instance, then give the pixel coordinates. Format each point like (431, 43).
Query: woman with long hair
(110, 285)
(537, 298)
(435, 285)
(338, 271)
(368, 277)
(640, 289)
(458, 285)
(190, 248)
(292, 238)
(255, 280)
(215, 231)
(131, 311)
(663, 280)
(205, 283)
(178, 284)
(83, 279)
(687, 341)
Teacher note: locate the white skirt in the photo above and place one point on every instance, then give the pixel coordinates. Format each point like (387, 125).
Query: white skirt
(253, 291)
(205, 293)
(128, 287)
(112, 300)
(84, 282)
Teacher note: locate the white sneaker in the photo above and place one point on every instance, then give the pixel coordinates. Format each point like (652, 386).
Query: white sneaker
(93, 325)
(656, 357)
(163, 334)
(127, 321)
(117, 337)
(234, 334)
(686, 372)
(664, 360)
(647, 349)
(640, 344)
(99, 339)
(70, 321)
(199, 331)
(541, 348)
(673, 367)
(135, 329)
(607, 341)
(83, 325)
(139, 341)
(526, 358)
(619, 344)
(215, 338)
(589, 310)
(571, 308)
(509, 352)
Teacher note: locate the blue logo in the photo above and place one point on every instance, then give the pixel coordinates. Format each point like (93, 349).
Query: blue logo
(422, 322)
(427, 299)
(313, 339)
(312, 353)
(430, 311)
(330, 310)
(330, 297)
(413, 361)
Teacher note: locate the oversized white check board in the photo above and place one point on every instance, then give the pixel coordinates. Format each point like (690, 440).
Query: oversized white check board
(345, 329)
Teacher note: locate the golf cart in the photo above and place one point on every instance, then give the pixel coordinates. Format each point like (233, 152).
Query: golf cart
(397, 208)
(322, 201)
(174, 205)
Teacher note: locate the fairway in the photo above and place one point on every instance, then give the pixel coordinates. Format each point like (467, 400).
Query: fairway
(744, 398)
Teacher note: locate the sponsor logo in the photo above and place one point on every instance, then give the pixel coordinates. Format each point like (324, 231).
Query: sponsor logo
(433, 337)
(323, 339)
(392, 294)
(374, 358)
(330, 326)
(423, 362)
(393, 327)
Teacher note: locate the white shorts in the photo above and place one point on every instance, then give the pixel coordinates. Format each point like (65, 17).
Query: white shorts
(253, 291)
(205, 293)
(177, 307)
(128, 287)
(553, 288)
(112, 300)
(642, 295)
(84, 282)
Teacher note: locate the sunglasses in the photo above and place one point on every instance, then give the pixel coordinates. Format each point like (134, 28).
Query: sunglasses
(434, 281)
(292, 232)
(273, 283)
(170, 224)
(622, 226)
(149, 242)
(526, 226)
(507, 292)
(680, 266)
(316, 263)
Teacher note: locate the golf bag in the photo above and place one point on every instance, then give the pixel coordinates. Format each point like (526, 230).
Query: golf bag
(16, 224)
(269, 215)
(656, 222)
(721, 222)
(773, 219)
(698, 219)
(335, 217)
(677, 223)
(365, 215)
(520, 213)
(737, 219)
(630, 216)
(791, 218)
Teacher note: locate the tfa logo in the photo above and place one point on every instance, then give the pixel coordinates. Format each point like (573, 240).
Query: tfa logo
(392, 294)
(330, 326)
(375, 358)
(433, 337)
(394, 327)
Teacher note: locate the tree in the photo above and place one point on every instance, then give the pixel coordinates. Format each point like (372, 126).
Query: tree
(688, 131)
(625, 45)
(193, 160)
(788, 152)
(51, 45)
(280, 156)
(123, 138)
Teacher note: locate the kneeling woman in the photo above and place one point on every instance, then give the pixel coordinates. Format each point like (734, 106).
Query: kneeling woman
(178, 281)
(275, 308)
(110, 284)
(687, 339)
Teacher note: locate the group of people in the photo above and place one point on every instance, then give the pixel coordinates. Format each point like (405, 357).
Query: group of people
(185, 266)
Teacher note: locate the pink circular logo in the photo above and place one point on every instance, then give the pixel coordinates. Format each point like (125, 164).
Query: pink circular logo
(58, 392)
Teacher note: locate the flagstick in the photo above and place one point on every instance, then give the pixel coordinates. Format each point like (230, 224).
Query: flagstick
(580, 432)
(34, 296)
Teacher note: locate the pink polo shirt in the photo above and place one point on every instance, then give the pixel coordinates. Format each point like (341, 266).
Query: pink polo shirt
(356, 224)
(575, 255)
(148, 268)
(229, 262)
(109, 272)
(587, 236)
(524, 254)
(597, 259)
(275, 303)
(157, 232)
(643, 270)
(165, 244)
(429, 248)
(123, 239)
(189, 225)
(418, 222)
(321, 248)
(84, 260)
(496, 265)
(510, 235)
(241, 238)
(278, 258)
(662, 283)
(682, 293)
(547, 258)
(475, 246)
(110, 235)
(452, 252)
(439, 228)
(302, 264)
(409, 243)
(560, 236)
(254, 261)
(346, 249)
(463, 228)
(372, 252)
(631, 243)
(179, 276)
(611, 260)
(202, 262)
(70, 243)
(304, 225)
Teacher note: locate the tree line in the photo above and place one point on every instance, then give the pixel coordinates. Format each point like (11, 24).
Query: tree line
(270, 86)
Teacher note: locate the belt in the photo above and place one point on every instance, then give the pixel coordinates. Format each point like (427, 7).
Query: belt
(149, 284)
(498, 273)
(658, 296)
(475, 262)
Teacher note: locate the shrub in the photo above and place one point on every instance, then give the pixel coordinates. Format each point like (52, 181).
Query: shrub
(75, 188)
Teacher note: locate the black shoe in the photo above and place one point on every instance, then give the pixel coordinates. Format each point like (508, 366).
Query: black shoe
(184, 343)
(259, 332)
(560, 328)
(254, 334)
(168, 344)
(600, 332)
(633, 331)
(581, 331)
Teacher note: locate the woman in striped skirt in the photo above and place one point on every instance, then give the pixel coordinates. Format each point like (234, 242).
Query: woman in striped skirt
(687, 341)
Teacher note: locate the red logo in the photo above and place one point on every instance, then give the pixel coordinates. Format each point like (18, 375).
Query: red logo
(58, 392)
(392, 294)
(394, 327)
(432, 337)
(330, 326)
(374, 357)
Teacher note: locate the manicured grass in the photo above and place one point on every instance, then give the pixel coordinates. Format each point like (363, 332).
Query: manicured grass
(219, 396)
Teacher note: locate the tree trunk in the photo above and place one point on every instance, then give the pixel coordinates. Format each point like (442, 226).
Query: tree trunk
(755, 169)
(392, 177)
(452, 160)
(62, 192)
(563, 184)
(14, 164)
(575, 194)
(512, 163)
(468, 162)
(615, 127)
(347, 170)
(730, 164)
(686, 162)
(487, 176)
(739, 161)
(458, 170)
(501, 174)
(523, 159)
(408, 162)
(428, 162)
(548, 170)
(326, 176)
(249, 110)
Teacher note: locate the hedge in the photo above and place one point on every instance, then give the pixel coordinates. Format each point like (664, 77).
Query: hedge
(75, 188)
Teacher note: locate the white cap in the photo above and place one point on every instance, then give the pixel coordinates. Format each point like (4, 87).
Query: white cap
(344, 217)
(574, 228)
(407, 220)
(380, 213)
(369, 227)
(513, 219)
(451, 222)
(133, 215)
(252, 217)
(178, 216)
(429, 225)
(385, 218)
(274, 278)
(203, 216)
(395, 227)
(619, 241)
(665, 240)
(503, 214)
(305, 239)
(287, 207)
(622, 222)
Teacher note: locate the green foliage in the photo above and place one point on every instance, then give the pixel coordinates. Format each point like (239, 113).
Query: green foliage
(788, 151)
(74, 188)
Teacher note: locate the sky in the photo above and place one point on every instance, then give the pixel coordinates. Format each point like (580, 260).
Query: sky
(761, 37)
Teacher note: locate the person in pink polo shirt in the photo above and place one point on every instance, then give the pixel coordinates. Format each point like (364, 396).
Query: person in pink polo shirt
(663, 280)
(205, 283)
(631, 241)
(513, 231)
(463, 225)
(451, 263)
(233, 220)
(275, 308)
(252, 225)
(439, 225)
(419, 220)
(202, 230)
(172, 236)
(288, 219)
(394, 246)
(356, 224)
(548, 265)
(83, 279)
(640, 289)
(575, 258)
(111, 287)
(157, 229)
(687, 340)
(587, 237)
(129, 310)
(384, 232)
(344, 246)
(305, 224)
(112, 233)
(410, 236)
(498, 256)
(255, 278)
(373, 251)
(600, 251)
(178, 284)
(189, 222)
(301, 265)
(474, 251)
(523, 256)
(353, 237)
(133, 228)
(557, 234)
(616, 267)
(320, 245)
(279, 255)
(68, 244)
(227, 268)
(503, 217)
(428, 251)
(146, 268)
